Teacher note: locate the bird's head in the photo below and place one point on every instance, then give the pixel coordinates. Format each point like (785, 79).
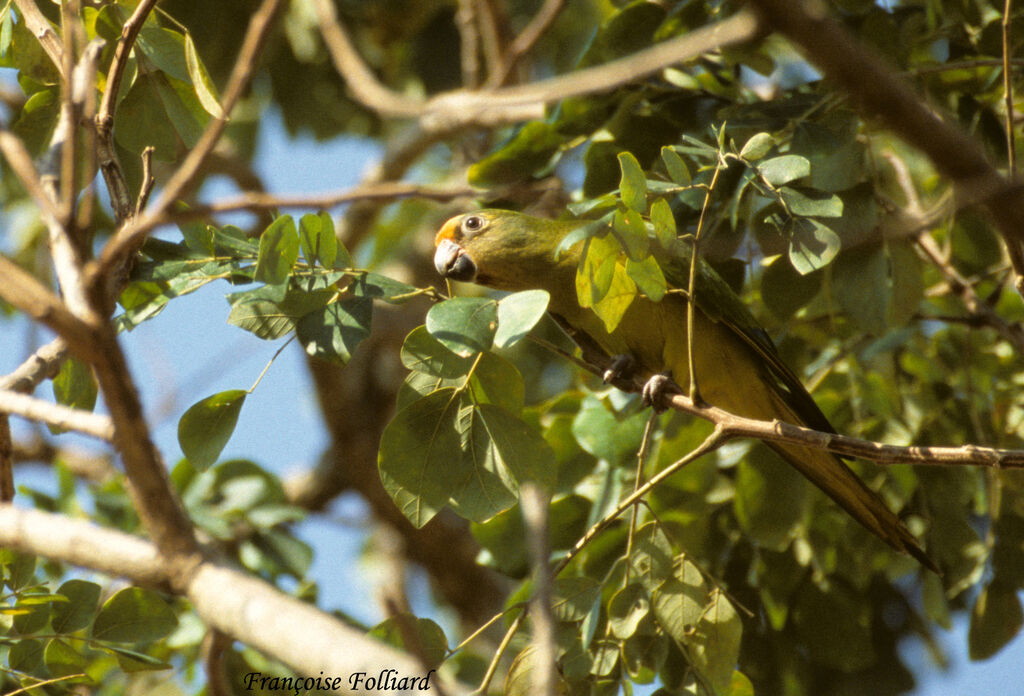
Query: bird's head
(500, 249)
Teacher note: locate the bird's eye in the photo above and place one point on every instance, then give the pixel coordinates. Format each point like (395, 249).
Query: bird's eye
(473, 223)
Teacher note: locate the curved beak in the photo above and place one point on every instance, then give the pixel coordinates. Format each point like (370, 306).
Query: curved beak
(452, 261)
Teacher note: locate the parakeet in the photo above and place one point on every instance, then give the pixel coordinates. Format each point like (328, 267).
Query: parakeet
(737, 365)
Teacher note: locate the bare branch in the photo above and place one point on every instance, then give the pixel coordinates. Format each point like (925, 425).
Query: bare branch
(120, 197)
(365, 86)
(21, 162)
(43, 364)
(247, 609)
(732, 426)
(526, 40)
(127, 240)
(58, 415)
(41, 29)
(28, 295)
(83, 544)
(469, 44)
(256, 201)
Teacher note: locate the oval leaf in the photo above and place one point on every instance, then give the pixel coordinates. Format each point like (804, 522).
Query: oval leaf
(517, 314)
(134, 615)
(633, 184)
(465, 325)
(206, 427)
(279, 250)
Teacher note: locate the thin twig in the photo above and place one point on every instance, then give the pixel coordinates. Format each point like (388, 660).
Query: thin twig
(124, 243)
(485, 683)
(525, 41)
(112, 172)
(1011, 148)
(148, 180)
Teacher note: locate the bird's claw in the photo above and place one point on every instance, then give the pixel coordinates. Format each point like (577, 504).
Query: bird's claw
(621, 367)
(654, 391)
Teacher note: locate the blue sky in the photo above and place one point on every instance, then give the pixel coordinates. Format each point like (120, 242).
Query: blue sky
(190, 352)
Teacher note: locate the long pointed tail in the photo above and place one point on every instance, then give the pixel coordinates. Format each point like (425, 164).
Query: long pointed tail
(831, 475)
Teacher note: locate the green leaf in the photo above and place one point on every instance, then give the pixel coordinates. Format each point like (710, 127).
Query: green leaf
(784, 169)
(141, 121)
(531, 149)
(77, 612)
(716, 644)
(268, 315)
(758, 146)
(812, 245)
(206, 426)
(860, 284)
(318, 241)
(626, 609)
(165, 49)
(131, 661)
(633, 184)
(996, 619)
(602, 282)
(424, 353)
(497, 381)
(465, 325)
(784, 291)
(762, 480)
(381, 287)
(62, 660)
(517, 446)
(420, 458)
(648, 277)
(334, 332)
(628, 227)
(680, 600)
(675, 166)
(517, 314)
(431, 643)
(134, 615)
(812, 203)
(186, 114)
(605, 434)
(25, 655)
(574, 596)
(74, 387)
(206, 92)
(279, 250)
(664, 223)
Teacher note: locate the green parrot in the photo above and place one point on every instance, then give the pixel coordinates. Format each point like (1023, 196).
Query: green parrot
(737, 365)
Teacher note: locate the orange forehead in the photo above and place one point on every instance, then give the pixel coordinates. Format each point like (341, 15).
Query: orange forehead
(449, 230)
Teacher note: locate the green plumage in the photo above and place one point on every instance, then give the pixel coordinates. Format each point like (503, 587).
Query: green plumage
(737, 365)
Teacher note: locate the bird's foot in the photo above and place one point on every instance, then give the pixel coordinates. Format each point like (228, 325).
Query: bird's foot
(656, 389)
(622, 367)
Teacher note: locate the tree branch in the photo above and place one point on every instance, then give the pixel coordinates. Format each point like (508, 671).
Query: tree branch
(57, 415)
(882, 94)
(525, 41)
(120, 197)
(127, 239)
(731, 426)
(306, 639)
(41, 29)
